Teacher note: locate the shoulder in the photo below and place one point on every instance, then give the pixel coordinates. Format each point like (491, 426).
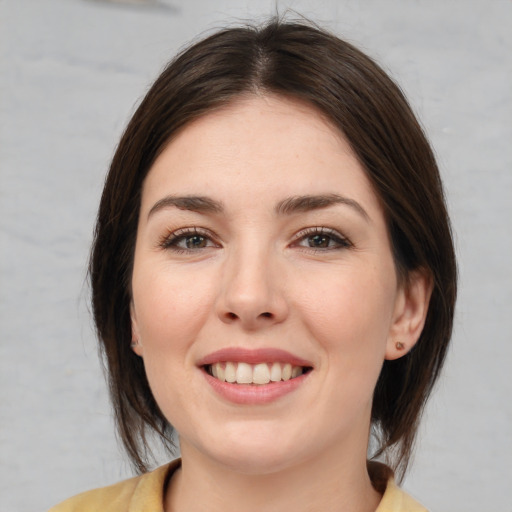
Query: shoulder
(145, 492)
(396, 500)
(393, 498)
(111, 498)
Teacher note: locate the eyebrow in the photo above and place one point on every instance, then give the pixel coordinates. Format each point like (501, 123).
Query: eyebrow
(200, 204)
(307, 203)
(288, 206)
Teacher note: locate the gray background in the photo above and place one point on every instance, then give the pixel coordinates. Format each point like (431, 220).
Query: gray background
(71, 72)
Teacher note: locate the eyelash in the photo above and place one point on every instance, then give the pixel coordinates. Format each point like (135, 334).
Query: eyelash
(173, 238)
(340, 241)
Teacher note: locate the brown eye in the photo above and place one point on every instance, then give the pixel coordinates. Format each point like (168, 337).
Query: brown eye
(319, 241)
(187, 240)
(322, 239)
(195, 242)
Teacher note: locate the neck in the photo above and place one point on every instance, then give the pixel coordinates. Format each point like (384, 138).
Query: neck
(325, 483)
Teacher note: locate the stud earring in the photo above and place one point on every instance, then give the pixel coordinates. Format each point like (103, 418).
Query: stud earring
(133, 344)
(399, 345)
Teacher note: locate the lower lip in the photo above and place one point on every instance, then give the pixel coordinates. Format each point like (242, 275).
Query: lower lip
(255, 394)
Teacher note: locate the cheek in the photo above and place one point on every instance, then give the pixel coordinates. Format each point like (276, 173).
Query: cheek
(169, 306)
(350, 313)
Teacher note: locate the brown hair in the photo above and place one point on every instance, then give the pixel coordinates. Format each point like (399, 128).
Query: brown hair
(297, 60)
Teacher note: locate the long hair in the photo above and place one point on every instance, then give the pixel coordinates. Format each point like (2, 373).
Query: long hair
(298, 60)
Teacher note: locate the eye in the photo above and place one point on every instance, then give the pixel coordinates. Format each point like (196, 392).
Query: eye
(187, 240)
(322, 239)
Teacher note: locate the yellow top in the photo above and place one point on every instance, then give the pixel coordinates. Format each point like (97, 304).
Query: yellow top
(145, 493)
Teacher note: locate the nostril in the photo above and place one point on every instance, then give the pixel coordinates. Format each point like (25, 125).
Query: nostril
(267, 315)
(231, 316)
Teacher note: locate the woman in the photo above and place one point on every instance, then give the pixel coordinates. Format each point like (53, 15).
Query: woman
(273, 279)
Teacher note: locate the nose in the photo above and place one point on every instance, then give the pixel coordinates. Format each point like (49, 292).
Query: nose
(252, 292)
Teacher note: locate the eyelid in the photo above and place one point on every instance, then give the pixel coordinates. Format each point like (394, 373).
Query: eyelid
(167, 241)
(342, 240)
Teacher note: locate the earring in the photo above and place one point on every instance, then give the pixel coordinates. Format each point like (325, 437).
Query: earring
(399, 345)
(133, 344)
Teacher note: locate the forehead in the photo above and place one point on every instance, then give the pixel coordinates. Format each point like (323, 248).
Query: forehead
(265, 146)
(259, 123)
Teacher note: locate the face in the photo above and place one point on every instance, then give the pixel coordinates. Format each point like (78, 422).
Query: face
(265, 297)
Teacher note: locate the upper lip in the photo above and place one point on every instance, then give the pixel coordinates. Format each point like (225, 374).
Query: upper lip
(253, 356)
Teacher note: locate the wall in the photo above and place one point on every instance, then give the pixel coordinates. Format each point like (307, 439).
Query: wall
(71, 72)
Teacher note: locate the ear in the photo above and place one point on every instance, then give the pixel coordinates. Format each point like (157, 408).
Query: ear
(411, 307)
(136, 344)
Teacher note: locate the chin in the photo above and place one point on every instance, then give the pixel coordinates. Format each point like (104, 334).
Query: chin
(256, 462)
(255, 450)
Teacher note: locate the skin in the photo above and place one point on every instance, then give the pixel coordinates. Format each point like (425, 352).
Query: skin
(252, 280)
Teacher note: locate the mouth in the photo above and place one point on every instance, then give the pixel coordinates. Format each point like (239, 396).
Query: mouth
(258, 374)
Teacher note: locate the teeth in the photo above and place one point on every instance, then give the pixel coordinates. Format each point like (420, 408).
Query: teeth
(261, 373)
(287, 371)
(296, 371)
(230, 372)
(276, 372)
(221, 372)
(244, 373)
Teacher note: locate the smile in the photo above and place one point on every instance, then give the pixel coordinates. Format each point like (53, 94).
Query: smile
(254, 376)
(258, 374)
